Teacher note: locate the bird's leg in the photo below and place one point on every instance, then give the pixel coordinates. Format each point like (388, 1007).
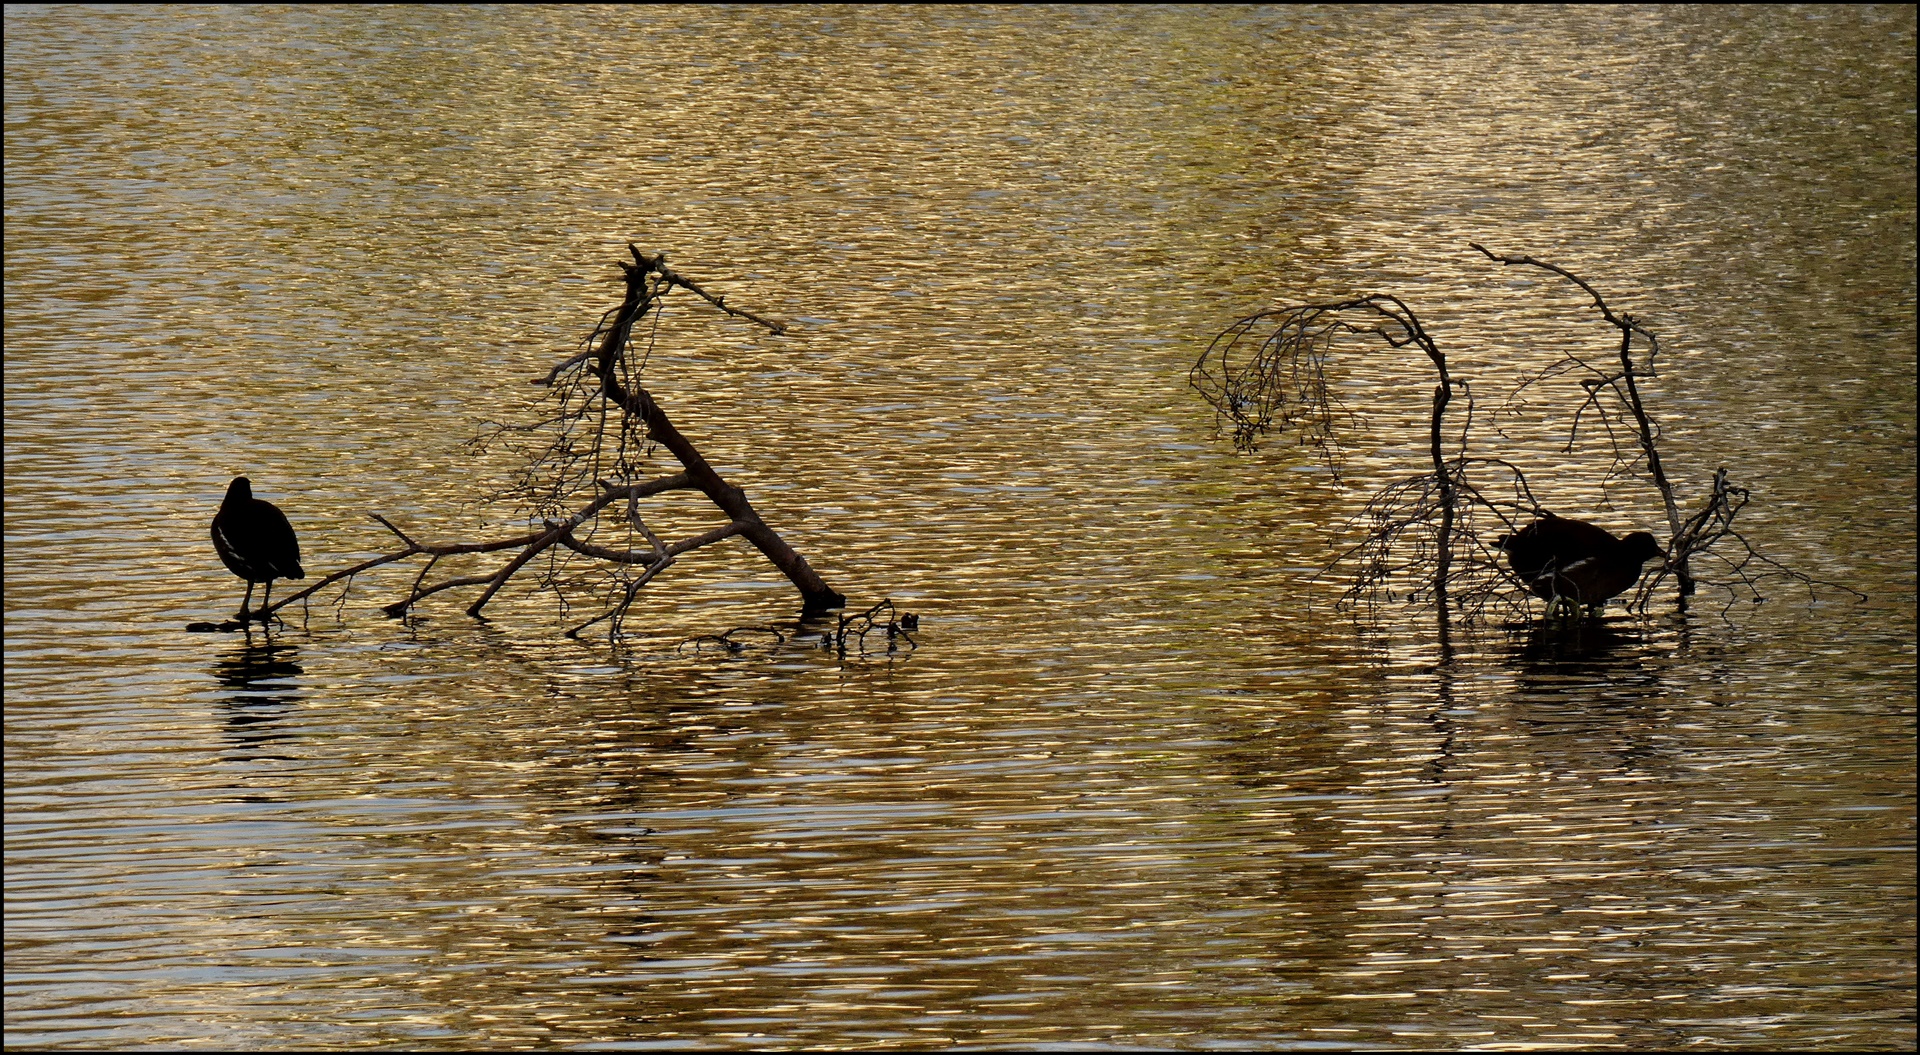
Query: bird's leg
(1562, 606)
(266, 600)
(242, 616)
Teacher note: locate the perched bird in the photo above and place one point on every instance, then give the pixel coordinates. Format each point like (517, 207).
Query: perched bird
(1575, 563)
(255, 542)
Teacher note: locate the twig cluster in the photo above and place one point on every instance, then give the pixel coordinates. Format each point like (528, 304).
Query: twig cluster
(1747, 568)
(724, 641)
(1397, 557)
(849, 634)
(1276, 384)
(851, 630)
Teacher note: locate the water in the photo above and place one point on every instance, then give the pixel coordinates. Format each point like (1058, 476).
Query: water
(1139, 785)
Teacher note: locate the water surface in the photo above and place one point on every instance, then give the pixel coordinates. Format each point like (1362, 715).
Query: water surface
(1139, 785)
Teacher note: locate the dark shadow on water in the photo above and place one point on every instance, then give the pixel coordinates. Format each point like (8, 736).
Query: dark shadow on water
(1569, 649)
(262, 679)
(1602, 686)
(1608, 665)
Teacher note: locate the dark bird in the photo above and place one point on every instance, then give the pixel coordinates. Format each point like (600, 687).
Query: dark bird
(1575, 563)
(255, 542)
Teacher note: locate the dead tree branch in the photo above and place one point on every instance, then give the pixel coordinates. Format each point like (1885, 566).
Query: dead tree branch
(852, 630)
(1279, 385)
(1749, 568)
(1623, 385)
(582, 482)
(1267, 374)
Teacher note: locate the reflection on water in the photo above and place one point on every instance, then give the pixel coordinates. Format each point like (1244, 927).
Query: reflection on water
(1552, 650)
(263, 676)
(1136, 785)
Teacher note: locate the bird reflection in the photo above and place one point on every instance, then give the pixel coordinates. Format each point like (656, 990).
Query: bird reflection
(1572, 658)
(1558, 644)
(1595, 693)
(262, 677)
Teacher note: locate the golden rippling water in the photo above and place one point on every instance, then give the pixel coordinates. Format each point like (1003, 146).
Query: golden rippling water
(1139, 785)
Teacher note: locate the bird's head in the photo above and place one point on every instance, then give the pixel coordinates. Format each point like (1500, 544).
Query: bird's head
(1641, 547)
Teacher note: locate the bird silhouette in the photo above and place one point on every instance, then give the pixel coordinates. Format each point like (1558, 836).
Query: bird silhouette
(255, 542)
(1572, 562)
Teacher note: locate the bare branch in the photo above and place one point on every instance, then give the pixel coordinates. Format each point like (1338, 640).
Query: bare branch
(589, 449)
(619, 610)
(561, 367)
(659, 265)
(897, 627)
(1647, 433)
(1424, 539)
(399, 608)
(708, 538)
